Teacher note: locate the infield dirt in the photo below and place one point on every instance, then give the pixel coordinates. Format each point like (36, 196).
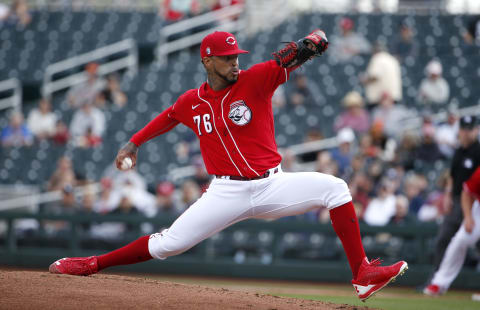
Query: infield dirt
(41, 290)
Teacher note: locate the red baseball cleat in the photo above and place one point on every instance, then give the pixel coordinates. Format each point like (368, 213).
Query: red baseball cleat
(371, 277)
(77, 266)
(433, 290)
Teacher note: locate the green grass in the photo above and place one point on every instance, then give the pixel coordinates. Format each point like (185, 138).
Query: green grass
(390, 298)
(457, 301)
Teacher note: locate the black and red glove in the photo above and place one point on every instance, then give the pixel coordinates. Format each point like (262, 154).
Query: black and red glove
(297, 53)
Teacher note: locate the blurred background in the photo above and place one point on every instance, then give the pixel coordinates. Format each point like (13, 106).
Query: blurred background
(380, 109)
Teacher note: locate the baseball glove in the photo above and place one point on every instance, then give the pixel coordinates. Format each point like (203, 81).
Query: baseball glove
(297, 53)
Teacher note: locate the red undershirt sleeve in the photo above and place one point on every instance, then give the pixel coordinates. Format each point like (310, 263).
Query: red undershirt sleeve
(159, 125)
(473, 183)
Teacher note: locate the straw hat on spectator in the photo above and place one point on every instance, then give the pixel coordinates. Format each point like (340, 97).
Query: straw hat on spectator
(352, 99)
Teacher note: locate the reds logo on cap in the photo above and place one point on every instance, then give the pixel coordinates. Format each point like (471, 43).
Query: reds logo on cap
(214, 45)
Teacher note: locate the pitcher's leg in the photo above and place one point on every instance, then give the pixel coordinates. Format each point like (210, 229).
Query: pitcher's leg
(294, 193)
(297, 193)
(222, 206)
(289, 194)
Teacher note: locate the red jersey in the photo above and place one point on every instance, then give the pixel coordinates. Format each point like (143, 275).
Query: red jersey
(234, 125)
(473, 183)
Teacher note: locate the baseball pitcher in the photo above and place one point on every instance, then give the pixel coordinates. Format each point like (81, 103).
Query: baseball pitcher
(231, 114)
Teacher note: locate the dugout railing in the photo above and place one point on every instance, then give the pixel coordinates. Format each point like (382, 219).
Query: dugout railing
(264, 251)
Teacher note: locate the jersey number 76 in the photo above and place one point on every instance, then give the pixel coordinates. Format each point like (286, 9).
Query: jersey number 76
(206, 123)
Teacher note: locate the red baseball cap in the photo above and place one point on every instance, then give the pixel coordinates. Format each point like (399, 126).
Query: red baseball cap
(220, 43)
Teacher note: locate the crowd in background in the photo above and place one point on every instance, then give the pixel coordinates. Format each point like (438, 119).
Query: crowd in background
(385, 165)
(89, 100)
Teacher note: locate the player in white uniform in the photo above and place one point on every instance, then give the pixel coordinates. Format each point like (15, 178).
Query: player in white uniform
(466, 236)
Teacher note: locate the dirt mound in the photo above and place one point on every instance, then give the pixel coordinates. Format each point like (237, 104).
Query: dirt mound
(41, 290)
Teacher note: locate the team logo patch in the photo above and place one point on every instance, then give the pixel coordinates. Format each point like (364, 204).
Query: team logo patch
(240, 113)
(231, 40)
(208, 50)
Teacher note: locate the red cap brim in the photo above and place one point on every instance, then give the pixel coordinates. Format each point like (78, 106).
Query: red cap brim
(234, 52)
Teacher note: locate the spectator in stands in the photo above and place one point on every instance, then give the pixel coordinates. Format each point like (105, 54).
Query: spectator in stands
(189, 194)
(87, 207)
(428, 150)
(4, 12)
(434, 88)
(361, 188)
(350, 43)
(112, 93)
(405, 45)
(383, 76)
(61, 134)
(345, 151)
(471, 34)
(87, 126)
(375, 170)
(300, 93)
(201, 177)
(144, 201)
(16, 133)
(19, 14)
(381, 209)
(66, 206)
(402, 215)
(105, 203)
(165, 201)
(446, 135)
(391, 115)
(405, 153)
(63, 176)
(279, 99)
(126, 207)
(220, 4)
(355, 116)
(289, 161)
(175, 10)
(88, 91)
(325, 164)
(42, 121)
(433, 207)
(414, 188)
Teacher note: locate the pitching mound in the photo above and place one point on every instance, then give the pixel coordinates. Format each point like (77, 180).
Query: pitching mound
(41, 290)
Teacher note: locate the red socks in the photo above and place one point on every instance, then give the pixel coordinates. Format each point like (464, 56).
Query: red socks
(345, 224)
(132, 253)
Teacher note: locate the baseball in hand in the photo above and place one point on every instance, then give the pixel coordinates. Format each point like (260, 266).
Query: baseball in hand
(126, 163)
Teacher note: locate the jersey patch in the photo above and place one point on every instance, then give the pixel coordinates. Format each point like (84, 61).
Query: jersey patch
(240, 113)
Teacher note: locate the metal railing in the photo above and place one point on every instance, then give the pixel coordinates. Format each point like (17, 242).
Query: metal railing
(223, 22)
(130, 62)
(36, 199)
(15, 100)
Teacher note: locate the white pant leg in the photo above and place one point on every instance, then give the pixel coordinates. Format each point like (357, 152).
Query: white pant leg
(225, 203)
(454, 257)
(286, 194)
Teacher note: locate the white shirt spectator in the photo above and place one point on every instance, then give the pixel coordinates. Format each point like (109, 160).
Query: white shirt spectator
(350, 43)
(88, 117)
(384, 75)
(446, 136)
(380, 210)
(41, 121)
(434, 91)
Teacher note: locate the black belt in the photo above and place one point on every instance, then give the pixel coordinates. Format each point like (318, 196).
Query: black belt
(240, 178)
